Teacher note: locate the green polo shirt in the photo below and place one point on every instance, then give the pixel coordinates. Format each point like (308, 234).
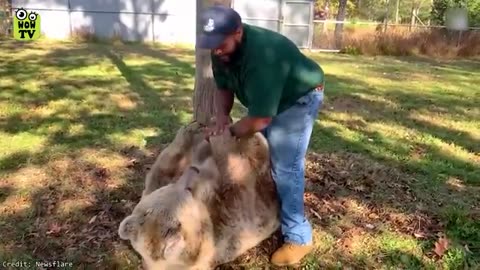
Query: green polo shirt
(269, 73)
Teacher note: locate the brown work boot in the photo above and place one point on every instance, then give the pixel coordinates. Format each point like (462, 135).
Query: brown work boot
(290, 254)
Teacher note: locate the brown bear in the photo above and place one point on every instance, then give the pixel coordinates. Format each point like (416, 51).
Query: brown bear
(205, 202)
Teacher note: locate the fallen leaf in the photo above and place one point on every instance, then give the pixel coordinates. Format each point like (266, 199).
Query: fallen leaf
(92, 219)
(441, 246)
(101, 173)
(359, 188)
(316, 214)
(132, 163)
(419, 235)
(54, 229)
(467, 249)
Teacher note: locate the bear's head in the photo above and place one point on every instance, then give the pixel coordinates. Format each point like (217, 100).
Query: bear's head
(171, 226)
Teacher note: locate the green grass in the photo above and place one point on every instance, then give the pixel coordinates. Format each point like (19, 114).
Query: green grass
(398, 141)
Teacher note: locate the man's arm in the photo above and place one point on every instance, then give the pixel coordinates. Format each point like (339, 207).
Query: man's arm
(223, 96)
(224, 102)
(247, 126)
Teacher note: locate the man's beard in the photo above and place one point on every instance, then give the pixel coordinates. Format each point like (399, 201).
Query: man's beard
(233, 56)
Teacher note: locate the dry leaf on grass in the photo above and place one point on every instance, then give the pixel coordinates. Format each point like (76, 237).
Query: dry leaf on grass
(317, 215)
(101, 173)
(441, 246)
(132, 163)
(419, 235)
(92, 219)
(54, 229)
(467, 249)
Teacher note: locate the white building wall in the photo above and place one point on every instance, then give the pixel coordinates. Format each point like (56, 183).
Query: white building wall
(167, 21)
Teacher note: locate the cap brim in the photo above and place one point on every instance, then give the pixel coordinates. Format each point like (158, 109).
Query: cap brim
(210, 41)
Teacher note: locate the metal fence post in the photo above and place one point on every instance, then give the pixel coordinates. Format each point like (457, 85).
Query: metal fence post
(70, 26)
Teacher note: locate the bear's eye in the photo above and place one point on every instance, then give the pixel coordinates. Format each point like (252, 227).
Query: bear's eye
(175, 229)
(194, 168)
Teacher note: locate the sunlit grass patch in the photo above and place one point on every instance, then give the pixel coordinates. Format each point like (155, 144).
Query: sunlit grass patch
(398, 139)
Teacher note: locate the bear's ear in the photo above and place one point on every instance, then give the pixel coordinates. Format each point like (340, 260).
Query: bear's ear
(128, 227)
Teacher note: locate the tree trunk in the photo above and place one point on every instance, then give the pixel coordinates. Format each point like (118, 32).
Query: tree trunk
(205, 87)
(387, 14)
(397, 10)
(6, 21)
(429, 22)
(413, 19)
(326, 9)
(342, 9)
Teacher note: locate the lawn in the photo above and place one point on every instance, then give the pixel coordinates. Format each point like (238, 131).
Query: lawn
(393, 170)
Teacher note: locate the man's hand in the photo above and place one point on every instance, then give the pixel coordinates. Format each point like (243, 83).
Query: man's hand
(247, 126)
(221, 124)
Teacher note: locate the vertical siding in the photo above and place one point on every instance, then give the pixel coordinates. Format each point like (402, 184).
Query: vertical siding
(263, 13)
(292, 18)
(168, 21)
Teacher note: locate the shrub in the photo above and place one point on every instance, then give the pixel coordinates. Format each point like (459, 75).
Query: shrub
(83, 34)
(400, 41)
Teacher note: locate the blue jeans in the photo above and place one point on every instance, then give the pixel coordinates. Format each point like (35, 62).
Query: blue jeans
(288, 136)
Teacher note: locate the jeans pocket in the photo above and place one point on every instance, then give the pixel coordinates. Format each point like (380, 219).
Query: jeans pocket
(317, 102)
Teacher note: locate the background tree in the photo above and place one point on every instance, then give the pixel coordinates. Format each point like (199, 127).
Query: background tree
(342, 9)
(474, 12)
(204, 89)
(397, 10)
(440, 7)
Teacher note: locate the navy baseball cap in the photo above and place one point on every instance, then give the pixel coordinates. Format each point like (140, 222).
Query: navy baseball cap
(217, 23)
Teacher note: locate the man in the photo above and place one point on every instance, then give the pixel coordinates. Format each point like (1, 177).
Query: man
(283, 91)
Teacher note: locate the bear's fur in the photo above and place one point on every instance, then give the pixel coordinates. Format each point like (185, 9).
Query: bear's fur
(204, 203)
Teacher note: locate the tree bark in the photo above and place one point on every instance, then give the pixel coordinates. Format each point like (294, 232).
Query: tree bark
(413, 19)
(6, 23)
(326, 9)
(387, 14)
(429, 22)
(342, 9)
(205, 87)
(397, 10)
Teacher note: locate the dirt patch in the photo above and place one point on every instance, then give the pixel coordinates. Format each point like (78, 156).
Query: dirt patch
(345, 104)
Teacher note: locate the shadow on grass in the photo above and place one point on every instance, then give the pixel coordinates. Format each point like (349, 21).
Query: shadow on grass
(157, 92)
(85, 236)
(405, 65)
(373, 111)
(5, 192)
(396, 259)
(79, 96)
(430, 189)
